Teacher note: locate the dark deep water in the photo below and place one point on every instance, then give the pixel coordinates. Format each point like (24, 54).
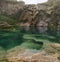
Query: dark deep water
(25, 37)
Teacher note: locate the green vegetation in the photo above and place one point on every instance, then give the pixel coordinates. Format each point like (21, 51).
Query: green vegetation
(7, 19)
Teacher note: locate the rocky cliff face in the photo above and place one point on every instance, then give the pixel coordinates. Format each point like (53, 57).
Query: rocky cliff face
(10, 7)
(28, 14)
(45, 16)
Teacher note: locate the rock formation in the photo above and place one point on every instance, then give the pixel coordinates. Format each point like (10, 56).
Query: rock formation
(42, 16)
(10, 7)
(5, 25)
(29, 13)
(31, 56)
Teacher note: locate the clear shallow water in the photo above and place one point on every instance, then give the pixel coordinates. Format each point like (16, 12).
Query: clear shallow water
(32, 38)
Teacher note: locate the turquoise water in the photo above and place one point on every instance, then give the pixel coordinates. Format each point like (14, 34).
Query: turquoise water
(28, 39)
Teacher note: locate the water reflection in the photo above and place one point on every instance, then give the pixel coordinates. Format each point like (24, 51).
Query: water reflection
(34, 29)
(42, 29)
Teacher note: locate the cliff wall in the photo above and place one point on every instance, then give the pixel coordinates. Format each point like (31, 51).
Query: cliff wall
(10, 7)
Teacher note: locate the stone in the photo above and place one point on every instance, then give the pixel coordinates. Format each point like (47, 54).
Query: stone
(10, 7)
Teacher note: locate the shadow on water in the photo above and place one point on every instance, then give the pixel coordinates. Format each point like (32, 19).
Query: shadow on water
(9, 39)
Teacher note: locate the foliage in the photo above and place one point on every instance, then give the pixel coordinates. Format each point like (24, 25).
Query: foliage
(7, 19)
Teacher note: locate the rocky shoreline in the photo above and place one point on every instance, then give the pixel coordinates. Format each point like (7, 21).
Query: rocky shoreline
(18, 54)
(52, 54)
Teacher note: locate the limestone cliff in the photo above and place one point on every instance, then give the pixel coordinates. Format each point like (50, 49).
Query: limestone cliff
(45, 15)
(10, 7)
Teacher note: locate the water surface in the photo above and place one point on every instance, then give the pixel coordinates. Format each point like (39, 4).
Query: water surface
(31, 38)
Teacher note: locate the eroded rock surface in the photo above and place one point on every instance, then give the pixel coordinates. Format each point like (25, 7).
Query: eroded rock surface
(10, 7)
(34, 55)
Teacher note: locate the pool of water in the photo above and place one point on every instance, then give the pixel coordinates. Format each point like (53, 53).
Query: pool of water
(31, 39)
